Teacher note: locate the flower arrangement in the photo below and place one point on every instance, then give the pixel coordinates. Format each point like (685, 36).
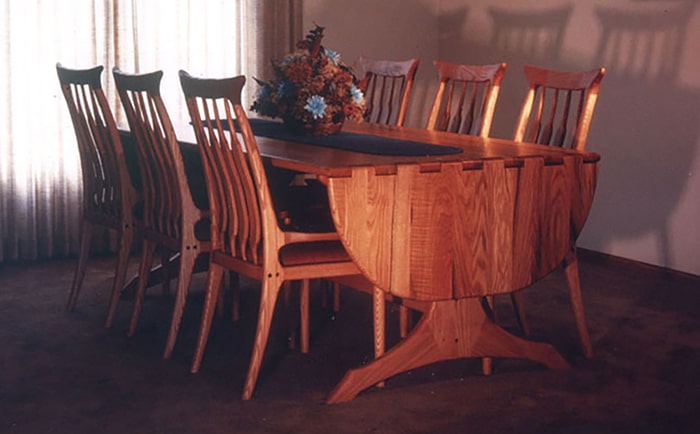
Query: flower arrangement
(312, 91)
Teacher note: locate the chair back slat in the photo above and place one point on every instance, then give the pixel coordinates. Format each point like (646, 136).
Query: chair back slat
(466, 117)
(547, 117)
(443, 122)
(109, 187)
(387, 85)
(108, 192)
(561, 132)
(165, 188)
(225, 168)
(466, 98)
(549, 122)
(238, 192)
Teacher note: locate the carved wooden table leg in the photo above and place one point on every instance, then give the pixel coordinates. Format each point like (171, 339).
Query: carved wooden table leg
(448, 330)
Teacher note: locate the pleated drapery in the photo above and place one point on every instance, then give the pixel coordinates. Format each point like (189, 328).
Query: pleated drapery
(40, 180)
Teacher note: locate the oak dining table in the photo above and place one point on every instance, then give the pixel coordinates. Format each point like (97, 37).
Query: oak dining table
(442, 230)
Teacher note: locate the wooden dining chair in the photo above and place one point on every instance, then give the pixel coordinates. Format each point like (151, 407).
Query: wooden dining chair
(246, 235)
(466, 98)
(557, 111)
(173, 222)
(558, 107)
(387, 85)
(109, 197)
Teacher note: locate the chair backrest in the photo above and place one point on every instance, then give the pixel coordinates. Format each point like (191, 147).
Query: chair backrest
(242, 213)
(165, 190)
(558, 107)
(387, 86)
(466, 98)
(108, 193)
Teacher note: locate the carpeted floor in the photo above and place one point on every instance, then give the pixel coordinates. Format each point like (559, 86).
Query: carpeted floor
(63, 372)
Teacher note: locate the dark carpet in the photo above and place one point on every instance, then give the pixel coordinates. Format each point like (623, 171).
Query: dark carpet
(63, 372)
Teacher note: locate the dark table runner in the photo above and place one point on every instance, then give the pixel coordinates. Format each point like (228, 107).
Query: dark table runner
(355, 142)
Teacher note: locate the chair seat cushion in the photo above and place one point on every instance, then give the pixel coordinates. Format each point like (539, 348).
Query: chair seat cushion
(300, 208)
(313, 253)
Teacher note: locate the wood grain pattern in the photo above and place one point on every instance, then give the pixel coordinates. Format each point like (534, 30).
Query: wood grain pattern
(525, 243)
(448, 330)
(328, 162)
(380, 205)
(370, 199)
(457, 234)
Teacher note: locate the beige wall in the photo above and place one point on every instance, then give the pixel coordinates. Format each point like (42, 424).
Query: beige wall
(391, 29)
(645, 127)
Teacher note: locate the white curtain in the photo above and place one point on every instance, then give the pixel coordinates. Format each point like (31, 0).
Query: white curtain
(40, 184)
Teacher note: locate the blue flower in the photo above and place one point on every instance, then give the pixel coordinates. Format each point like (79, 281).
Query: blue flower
(264, 92)
(357, 96)
(316, 105)
(333, 55)
(285, 88)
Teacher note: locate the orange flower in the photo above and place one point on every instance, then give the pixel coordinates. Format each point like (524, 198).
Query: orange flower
(309, 75)
(297, 72)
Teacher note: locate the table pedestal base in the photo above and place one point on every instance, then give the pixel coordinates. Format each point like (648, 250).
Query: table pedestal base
(448, 330)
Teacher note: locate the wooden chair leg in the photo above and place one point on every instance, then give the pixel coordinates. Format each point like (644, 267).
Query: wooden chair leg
(487, 362)
(333, 288)
(79, 274)
(184, 278)
(486, 366)
(214, 279)
(291, 318)
(125, 240)
(304, 315)
(379, 324)
(574, 284)
(270, 289)
(144, 268)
